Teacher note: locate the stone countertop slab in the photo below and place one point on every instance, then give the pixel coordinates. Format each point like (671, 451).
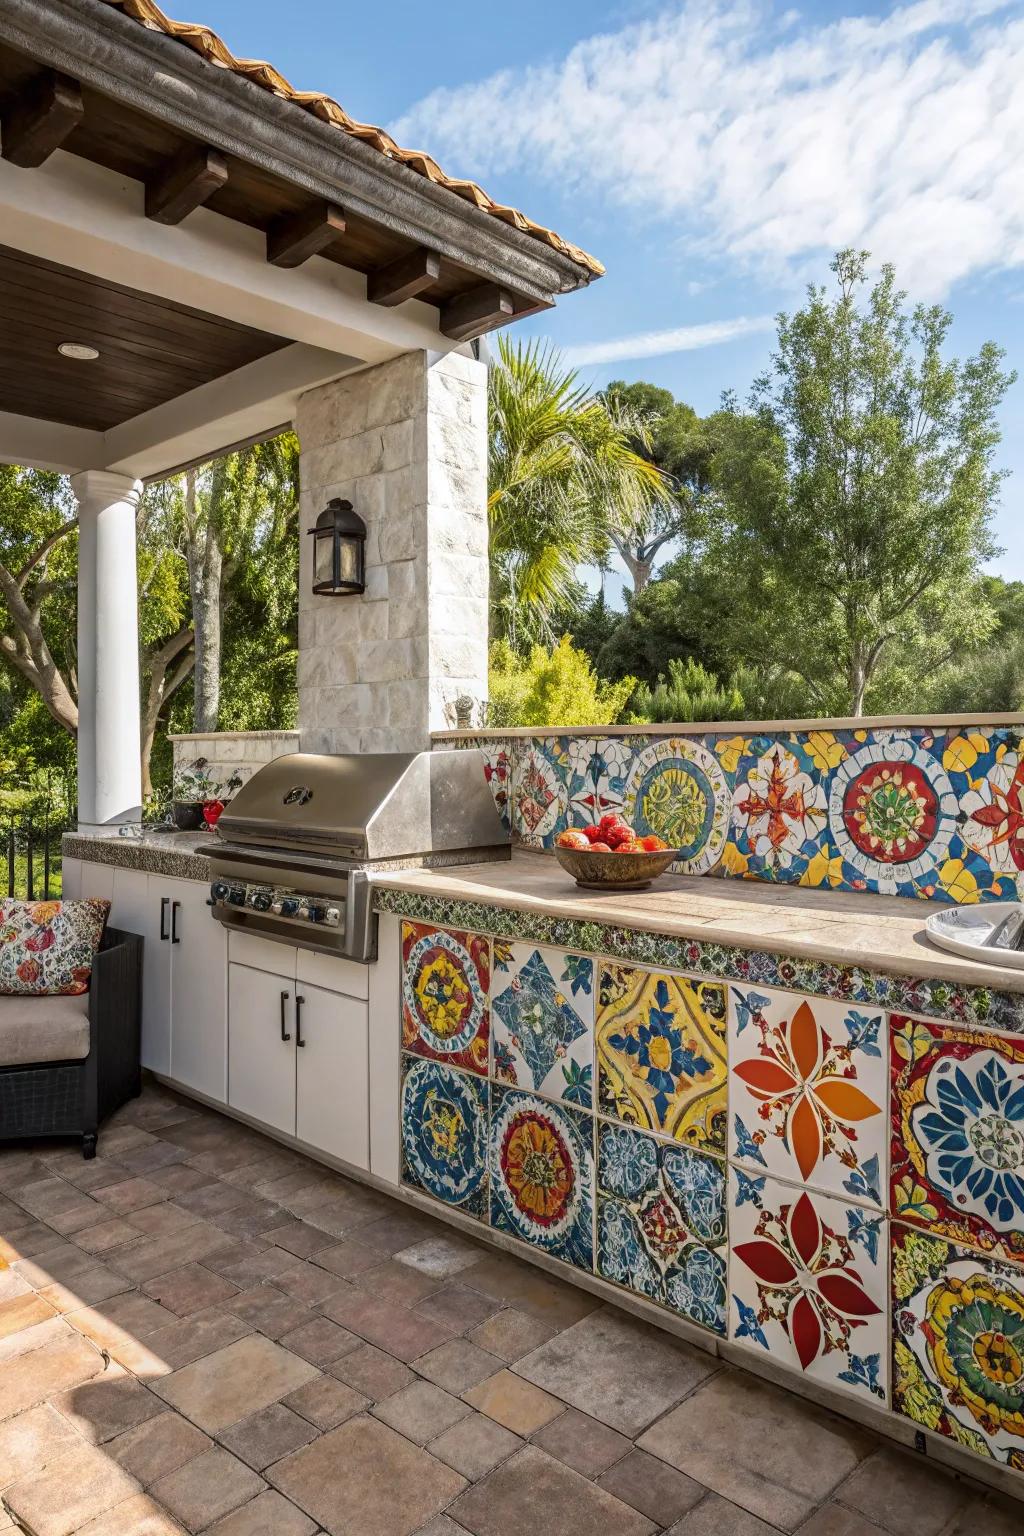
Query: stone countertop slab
(180, 854)
(884, 933)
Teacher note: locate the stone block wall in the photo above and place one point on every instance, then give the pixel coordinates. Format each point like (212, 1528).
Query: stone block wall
(406, 443)
(215, 765)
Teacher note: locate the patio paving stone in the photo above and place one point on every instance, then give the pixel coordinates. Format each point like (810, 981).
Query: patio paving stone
(267, 1436)
(299, 1238)
(363, 1479)
(23, 1312)
(308, 1283)
(160, 1445)
(326, 1402)
(652, 1486)
(457, 1306)
(268, 1310)
(33, 1438)
(190, 1338)
(41, 1373)
(137, 1516)
(583, 1443)
(153, 1256)
(131, 1195)
(206, 1489)
(717, 1517)
(440, 1256)
(530, 1290)
(617, 1370)
(192, 1288)
(719, 1436)
(391, 1328)
(511, 1334)
(397, 1283)
(68, 1492)
(900, 1493)
(421, 1411)
(836, 1520)
(533, 1491)
(105, 1407)
(320, 1341)
(474, 1445)
(348, 1258)
(373, 1372)
(222, 1388)
(268, 1515)
(517, 1404)
(457, 1365)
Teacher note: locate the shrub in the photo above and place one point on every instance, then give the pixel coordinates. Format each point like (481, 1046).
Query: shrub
(551, 687)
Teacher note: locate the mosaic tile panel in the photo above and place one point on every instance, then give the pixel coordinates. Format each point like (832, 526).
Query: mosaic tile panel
(934, 812)
(676, 788)
(852, 983)
(958, 1134)
(661, 1054)
(661, 1223)
(445, 977)
(444, 1134)
(958, 1344)
(542, 1174)
(542, 1022)
(808, 1091)
(808, 1283)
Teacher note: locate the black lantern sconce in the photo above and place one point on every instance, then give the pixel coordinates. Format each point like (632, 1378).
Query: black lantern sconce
(339, 551)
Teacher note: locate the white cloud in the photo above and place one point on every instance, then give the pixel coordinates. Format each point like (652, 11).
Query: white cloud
(684, 338)
(772, 138)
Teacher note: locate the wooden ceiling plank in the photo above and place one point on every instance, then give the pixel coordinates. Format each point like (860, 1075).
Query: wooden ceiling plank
(296, 237)
(184, 183)
(405, 278)
(476, 312)
(39, 120)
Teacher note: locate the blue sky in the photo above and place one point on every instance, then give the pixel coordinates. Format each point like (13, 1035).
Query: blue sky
(712, 154)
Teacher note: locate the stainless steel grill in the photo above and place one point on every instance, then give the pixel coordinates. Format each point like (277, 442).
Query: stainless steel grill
(297, 847)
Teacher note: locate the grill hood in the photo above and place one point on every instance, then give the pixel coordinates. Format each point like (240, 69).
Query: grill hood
(368, 807)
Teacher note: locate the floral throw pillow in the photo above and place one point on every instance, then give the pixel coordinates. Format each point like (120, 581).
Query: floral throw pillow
(47, 947)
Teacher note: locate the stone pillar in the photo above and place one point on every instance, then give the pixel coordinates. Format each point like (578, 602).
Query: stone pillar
(109, 772)
(406, 443)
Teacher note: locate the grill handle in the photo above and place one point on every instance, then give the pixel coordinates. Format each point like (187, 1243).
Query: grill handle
(284, 999)
(298, 1021)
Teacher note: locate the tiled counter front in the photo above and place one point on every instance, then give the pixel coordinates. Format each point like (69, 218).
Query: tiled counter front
(934, 811)
(830, 1182)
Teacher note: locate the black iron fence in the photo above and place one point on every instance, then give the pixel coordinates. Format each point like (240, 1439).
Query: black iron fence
(31, 846)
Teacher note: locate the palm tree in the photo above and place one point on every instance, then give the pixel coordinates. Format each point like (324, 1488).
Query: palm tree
(563, 471)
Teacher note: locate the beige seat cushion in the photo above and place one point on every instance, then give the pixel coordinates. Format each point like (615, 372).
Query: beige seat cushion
(43, 1029)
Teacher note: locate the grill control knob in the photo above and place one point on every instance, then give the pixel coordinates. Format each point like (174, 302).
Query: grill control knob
(316, 912)
(220, 891)
(289, 906)
(260, 899)
(332, 917)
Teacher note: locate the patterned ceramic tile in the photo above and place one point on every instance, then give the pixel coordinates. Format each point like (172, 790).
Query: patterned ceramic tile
(676, 787)
(808, 1091)
(750, 967)
(539, 792)
(444, 1134)
(661, 1054)
(778, 810)
(958, 1344)
(542, 1174)
(808, 1283)
(498, 760)
(661, 1222)
(958, 1133)
(542, 1022)
(445, 976)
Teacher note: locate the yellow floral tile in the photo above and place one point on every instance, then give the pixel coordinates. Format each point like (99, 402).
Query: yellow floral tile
(662, 1054)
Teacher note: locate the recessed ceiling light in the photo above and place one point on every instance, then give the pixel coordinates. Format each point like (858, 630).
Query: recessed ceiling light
(78, 350)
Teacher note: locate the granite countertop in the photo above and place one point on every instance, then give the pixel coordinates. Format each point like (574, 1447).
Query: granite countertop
(179, 854)
(844, 927)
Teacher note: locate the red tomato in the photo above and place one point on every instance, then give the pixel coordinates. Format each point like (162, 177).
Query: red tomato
(600, 848)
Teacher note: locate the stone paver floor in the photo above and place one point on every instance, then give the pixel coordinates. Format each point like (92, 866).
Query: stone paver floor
(202, 1331)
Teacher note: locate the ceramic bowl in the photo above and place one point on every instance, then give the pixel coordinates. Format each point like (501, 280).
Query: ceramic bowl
(596, 871)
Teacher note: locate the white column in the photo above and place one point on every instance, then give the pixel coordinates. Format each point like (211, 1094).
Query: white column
(109, 772)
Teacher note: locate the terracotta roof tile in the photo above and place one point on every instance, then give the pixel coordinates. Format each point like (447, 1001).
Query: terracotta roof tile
(215, 51)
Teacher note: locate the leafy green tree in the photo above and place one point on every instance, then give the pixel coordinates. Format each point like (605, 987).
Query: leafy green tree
(562, 469)
(675, 440)
(857, 494)
(551, 686)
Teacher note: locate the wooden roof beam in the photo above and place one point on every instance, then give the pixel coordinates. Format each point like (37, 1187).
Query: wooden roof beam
(184, 183)
(480, 310)
(39, 120)
(295, 237)
(405, 278)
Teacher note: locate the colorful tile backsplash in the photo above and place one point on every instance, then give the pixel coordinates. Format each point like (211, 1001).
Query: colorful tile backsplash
(835, 1188)
(935, 813)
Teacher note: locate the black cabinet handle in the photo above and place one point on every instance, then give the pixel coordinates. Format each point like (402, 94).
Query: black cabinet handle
(175, 905)
(298, 1021)
(165, 902)
(284, 998)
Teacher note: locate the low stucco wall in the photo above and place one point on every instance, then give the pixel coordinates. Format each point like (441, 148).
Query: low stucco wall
(911, 806)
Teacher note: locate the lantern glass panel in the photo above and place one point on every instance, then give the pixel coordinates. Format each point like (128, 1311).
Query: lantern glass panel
(348, 560)
(323, 554)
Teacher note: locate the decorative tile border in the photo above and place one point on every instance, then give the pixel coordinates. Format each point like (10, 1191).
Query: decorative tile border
(934, 812)
(845, 983)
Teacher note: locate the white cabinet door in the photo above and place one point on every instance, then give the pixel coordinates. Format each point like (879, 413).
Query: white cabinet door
(199, 984)
(333, 1091)
(71, 879)
(261, 1063)
(139, 903)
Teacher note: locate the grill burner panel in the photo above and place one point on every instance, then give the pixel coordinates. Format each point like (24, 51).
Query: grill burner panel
(297, 846)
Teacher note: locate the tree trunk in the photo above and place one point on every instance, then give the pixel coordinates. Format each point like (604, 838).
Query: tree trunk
(637, 563)
(162, 684)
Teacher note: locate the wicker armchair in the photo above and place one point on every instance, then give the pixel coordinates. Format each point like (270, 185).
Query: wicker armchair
(73, 1098)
